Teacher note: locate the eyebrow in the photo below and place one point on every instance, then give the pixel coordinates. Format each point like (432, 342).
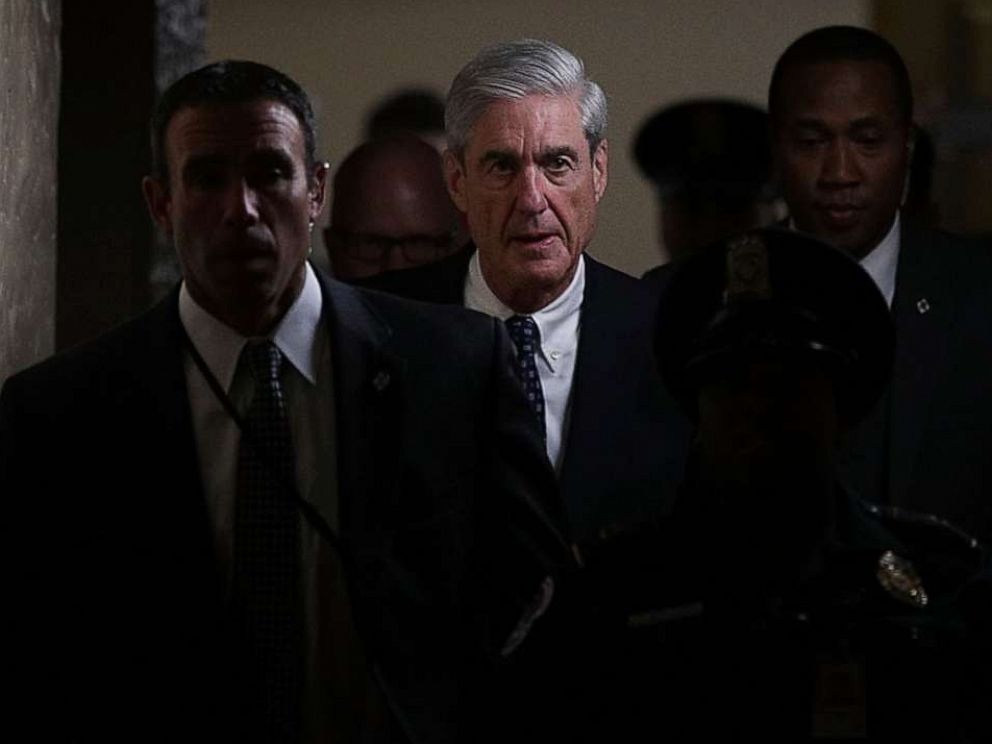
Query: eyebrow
(865, 121)
(201, 162)
(549, 154)
(491, 155)
(560, 151)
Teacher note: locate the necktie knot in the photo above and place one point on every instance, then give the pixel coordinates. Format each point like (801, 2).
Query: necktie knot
(264, 361)
(524, 332)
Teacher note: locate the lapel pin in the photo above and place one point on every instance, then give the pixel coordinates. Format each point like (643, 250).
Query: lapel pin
(923, 305)
(898, 577)
(381, 380)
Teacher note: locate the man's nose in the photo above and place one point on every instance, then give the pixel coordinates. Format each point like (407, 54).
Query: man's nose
(531, 198)
(242, 203)
(840, 165)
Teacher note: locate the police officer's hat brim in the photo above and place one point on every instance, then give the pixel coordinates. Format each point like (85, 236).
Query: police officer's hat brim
(810, 300)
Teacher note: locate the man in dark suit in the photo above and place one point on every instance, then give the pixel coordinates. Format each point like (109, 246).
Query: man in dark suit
(841, 109)
(527, 165)
(274, 507)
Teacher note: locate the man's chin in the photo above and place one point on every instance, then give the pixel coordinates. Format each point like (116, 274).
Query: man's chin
(852, 240)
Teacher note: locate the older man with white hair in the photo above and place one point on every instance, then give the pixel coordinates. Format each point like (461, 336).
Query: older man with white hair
(527, 163)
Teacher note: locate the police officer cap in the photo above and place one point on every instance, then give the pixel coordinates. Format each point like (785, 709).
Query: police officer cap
(781, 290)
(709, 147)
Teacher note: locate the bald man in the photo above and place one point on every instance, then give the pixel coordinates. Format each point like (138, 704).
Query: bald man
(390, 210)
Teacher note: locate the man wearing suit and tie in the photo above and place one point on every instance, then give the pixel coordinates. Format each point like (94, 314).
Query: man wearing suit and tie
(841, 107)
(527, 164)
(274, 507)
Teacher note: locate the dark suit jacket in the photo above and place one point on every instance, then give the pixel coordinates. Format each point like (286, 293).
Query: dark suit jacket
(113, 619)
(626, 440)
(928, 444)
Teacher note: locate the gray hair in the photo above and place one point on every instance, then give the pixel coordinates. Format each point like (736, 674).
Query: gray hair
(516, 69)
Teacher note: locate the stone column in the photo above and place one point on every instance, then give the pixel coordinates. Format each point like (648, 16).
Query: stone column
(117, 55)
(29, 91)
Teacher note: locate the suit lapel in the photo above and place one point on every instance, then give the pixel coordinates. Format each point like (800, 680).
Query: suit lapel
(594, 363)
(174, 438)
(367, 384)
(923, 310)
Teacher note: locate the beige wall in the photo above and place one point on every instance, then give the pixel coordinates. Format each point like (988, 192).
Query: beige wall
(29, 88)
(645, 53)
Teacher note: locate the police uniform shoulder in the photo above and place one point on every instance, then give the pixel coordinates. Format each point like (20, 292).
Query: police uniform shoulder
(929, 527)
(943, 553)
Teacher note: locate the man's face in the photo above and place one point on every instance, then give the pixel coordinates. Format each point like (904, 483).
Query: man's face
(767, 431)
(529, 189)
(387, 219)
(238, 207)
(761, 412)
(842, 150)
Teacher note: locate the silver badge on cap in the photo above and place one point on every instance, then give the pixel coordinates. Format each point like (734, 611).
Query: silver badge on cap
(747, 269)
(898, 577)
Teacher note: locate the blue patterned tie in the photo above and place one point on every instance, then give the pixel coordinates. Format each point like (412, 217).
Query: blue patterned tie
(527, 338)
(267, 578)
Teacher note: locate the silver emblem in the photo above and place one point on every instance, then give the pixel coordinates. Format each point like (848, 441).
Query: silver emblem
(747, 269)
(381, 380)
(923, 306)
(898, 577)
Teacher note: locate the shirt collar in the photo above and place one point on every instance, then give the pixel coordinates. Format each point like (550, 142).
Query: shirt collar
(557, 321)
(295, 335)
(881, 261)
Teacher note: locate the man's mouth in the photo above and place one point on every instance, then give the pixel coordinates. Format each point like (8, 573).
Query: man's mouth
(534, 239)
(841, 214)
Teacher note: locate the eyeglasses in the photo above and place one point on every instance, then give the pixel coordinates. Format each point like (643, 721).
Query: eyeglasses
(374, 249)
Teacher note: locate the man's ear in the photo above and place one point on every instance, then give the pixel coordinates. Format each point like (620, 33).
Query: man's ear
(159, 202)
(454, 179)
(600, 169)
(318, 188)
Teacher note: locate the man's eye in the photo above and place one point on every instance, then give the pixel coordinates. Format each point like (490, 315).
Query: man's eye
(869, 140)
(268, 175)
(559, 165)
(206, 179)
(500, 166)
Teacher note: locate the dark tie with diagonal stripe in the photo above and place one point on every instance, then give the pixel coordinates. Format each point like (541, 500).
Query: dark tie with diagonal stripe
(267, 578)
(527, 338)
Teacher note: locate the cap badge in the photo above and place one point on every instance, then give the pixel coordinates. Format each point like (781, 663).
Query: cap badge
(381, 380)
(898, 577)
(747, 269)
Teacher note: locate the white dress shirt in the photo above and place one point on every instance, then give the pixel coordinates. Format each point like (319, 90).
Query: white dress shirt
(340, 697)
(310, 406)
(881, 262)
(558, 324)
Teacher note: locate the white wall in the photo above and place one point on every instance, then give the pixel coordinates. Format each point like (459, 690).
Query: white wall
(645, 53)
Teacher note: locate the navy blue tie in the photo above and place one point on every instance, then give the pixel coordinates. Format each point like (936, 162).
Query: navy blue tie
(527, 338)
(267, 578)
